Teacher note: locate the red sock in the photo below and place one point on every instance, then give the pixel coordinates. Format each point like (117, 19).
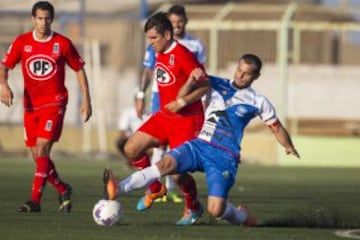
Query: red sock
(40, 177)
(141, 163)
(188, 188)
(155, 186)
(54, 179)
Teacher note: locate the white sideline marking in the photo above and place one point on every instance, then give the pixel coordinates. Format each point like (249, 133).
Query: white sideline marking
(351, 233)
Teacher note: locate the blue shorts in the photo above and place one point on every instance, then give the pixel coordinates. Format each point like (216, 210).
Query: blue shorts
(220, 167)
(155, 102)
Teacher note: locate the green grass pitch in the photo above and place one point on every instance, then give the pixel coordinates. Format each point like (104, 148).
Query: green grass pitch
(288, 202)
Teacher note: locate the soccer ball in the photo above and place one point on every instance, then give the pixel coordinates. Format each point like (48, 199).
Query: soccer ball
(107, 212)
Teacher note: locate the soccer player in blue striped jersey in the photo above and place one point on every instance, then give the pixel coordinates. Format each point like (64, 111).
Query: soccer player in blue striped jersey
(232, 105)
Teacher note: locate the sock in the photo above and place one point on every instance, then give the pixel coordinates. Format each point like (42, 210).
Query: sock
(54, 179)
(234, 215)
(139, 179)
(188, 188)
(157, 154)
(40, 177)
(169, 183)
(141, 163)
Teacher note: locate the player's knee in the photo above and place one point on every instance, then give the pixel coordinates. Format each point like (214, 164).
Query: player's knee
(214, 211)
(167, 165)
(130, 151)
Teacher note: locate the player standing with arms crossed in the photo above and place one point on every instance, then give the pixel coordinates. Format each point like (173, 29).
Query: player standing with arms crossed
(178, 18)
(43, 55)
(232, 105)
(180, 116)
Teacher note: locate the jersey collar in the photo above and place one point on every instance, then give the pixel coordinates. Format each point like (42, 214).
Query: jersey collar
(45, 40)
(172, 46)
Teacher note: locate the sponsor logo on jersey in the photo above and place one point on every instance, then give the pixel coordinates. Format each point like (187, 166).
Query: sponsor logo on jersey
(163, 75)
(28, 48)
(41, 67)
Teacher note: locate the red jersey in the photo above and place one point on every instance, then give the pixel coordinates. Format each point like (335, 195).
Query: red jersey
(172, 70)
(43, 67)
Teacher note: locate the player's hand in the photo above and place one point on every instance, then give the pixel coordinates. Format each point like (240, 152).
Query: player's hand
(85, 111)
(140, 107)
(197, 74)
(292, 151)
(173, 106)
(6, 95)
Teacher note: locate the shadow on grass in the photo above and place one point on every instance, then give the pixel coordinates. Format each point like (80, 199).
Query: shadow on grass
(317, 218)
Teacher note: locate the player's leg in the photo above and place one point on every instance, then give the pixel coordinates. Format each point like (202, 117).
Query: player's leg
(180, 159)
(186, 129)
(137, 180)
(220, 169)
(170, 185)
(39, 180)
(56, 115)
(223, 210)
(42, 129)
(152, 133)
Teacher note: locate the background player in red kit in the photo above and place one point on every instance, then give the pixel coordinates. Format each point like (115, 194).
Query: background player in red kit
(43, 55)
(179, 118)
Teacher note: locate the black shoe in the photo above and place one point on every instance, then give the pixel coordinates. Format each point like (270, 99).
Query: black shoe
(29, 206)
(65, 200)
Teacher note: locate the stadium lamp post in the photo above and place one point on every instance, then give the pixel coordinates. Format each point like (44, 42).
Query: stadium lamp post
(282, 59)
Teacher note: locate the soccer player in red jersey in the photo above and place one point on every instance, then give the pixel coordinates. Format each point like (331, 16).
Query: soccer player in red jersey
(43, 55)
(180, 116)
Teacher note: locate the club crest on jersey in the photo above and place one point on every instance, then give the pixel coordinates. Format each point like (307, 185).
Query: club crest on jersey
(40, 67)
(56, 48)
(172, 59)
(163, 76)
(241, 111)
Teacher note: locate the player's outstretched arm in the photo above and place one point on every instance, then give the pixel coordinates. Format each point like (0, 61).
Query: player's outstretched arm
(6, 94)
(283, 137)
(85, 109)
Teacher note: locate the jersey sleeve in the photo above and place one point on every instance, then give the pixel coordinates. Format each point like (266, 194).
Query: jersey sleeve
(267, 112)
(73, 58)
(13, 55)
(201, 55)
(190, 63)
(149, 58)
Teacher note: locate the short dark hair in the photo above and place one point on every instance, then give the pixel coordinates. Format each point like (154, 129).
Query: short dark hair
(160, 22)
(43, 5)
(178, 10)
(253, 59)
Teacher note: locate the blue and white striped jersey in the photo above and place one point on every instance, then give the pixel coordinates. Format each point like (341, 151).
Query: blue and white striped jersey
(230, 110)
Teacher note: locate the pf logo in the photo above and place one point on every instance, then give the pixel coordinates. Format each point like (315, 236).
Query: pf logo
(163, 77)
(40, 67)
